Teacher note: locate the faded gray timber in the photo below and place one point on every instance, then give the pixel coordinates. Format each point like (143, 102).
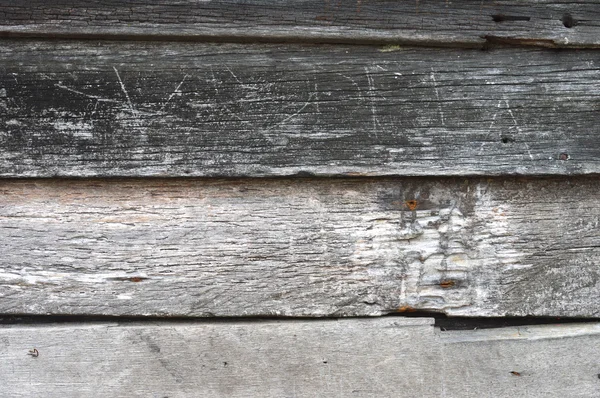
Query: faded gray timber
(335, 247)
(189, 109)
(390, 357)
(439, 22)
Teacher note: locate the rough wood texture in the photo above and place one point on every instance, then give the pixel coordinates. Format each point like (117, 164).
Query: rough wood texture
(346, 358)
(165, 109)
(470, 247)
(439, 22)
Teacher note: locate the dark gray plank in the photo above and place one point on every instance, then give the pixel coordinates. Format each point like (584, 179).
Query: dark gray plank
(440, 22)
(339, 358)
(468, 247)
(188, 109)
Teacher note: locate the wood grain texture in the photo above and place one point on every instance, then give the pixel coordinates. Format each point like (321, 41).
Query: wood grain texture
(338, 358)
(457, 23)
(188, 109)
(469, 247)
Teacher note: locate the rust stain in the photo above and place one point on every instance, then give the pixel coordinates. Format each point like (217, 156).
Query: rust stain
(412, 204)
(447, 283)
(515, 373)
(406, 308)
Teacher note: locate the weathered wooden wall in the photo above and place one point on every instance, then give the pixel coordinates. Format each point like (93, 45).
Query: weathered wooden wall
(299, 158)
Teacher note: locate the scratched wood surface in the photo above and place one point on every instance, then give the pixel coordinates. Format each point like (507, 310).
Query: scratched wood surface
(300, 247)
(438, 22)
(386, 357)
(189, 109)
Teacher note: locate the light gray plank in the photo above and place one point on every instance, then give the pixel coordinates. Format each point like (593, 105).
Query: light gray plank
(387, 357)
(471, 247)
(533, 361)
(439, 22)
(148, 109)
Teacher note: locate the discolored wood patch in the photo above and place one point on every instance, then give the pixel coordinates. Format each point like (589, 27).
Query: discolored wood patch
(335, 247)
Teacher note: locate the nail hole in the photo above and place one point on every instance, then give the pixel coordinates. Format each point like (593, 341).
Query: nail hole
(568, 21)
(564, 156)
(507, 140)
(412, 204)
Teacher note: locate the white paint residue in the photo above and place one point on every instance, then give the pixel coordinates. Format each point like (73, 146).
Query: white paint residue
(515, 123)
(125, 91)
(175, 92)
(94, 97)
(297, 112)
(497, 223)
(517, 126)
(437, 95)
(421, 248)
(233, 74)
(374, 117)
(79, 128)
(32, 277)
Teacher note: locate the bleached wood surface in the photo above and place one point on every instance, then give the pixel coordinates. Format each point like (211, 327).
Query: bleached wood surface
(387, 357)
(436, 22)
(191, 109)
(474, 247)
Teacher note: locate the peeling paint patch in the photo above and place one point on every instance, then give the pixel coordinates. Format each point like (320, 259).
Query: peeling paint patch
(78, 128)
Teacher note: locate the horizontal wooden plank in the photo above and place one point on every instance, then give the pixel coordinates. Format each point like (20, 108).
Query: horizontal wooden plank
(441, 22)
(148, 109)
(358, 358)
(344, 247)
